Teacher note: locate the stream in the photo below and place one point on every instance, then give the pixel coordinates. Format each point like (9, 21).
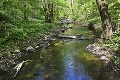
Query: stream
(64, 59)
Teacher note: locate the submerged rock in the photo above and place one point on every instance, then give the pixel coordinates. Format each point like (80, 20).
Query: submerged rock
(63, 41)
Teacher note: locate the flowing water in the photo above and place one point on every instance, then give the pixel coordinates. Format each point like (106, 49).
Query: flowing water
(64, 59)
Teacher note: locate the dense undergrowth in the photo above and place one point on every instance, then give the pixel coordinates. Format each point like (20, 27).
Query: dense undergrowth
(20, 22)
(15, 32)
(114, 44)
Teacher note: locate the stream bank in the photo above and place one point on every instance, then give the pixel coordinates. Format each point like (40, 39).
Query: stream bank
(28, 47)
(106, 55)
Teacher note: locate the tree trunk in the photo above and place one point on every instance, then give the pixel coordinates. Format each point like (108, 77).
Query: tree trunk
(45, 10)
(52, 13)
(107, 25)
(48, 10)
(72, 3)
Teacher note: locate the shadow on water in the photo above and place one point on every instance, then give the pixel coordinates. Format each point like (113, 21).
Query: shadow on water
(64, 61)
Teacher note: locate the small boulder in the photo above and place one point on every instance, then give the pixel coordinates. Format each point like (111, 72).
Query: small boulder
(37, 47)
(17, 51)
(46, 44)
(71, 27)
(62, 30)
(79, 35)
(30, 48)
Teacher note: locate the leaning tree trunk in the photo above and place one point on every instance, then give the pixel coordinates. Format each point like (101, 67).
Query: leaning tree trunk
(107, 25)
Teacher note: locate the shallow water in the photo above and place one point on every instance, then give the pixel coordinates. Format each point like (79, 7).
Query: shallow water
(64, 61)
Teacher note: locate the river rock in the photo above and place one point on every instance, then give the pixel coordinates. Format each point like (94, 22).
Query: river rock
(46, 44)
(46, 37)
(53, 39)
(104, 59)
(37, 47)
(30, 48)
(71, 27)
(17, 51)
(99, 53)
(62, 30)
(79, 35)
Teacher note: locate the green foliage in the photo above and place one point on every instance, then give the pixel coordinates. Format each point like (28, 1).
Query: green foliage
(115, 10)
(114, 41)
(3, 17)
(14, 29)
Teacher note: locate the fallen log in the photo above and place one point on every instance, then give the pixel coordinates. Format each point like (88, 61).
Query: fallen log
(19, 66)
(69, 37)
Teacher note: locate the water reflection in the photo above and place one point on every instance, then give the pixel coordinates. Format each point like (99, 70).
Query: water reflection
(72, 69)
(61, 65)
(63, 57)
